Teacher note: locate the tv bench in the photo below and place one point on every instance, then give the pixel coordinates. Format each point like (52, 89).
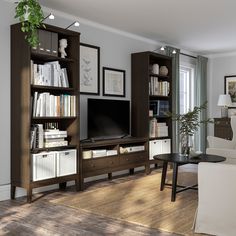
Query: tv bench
(107, 156)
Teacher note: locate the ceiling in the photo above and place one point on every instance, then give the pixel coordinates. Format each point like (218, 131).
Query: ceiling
(200, 26)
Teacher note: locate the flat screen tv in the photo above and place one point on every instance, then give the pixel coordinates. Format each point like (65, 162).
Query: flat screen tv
(108, 118)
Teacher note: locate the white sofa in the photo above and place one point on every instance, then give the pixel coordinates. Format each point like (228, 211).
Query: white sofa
(216, 213)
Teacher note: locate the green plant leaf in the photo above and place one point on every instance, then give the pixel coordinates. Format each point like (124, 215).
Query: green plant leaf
(34, 20)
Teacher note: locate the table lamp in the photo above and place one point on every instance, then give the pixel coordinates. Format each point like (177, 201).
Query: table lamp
(224, 102)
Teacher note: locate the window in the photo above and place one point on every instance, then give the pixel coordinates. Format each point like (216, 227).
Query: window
(188, 90)
(186, 93)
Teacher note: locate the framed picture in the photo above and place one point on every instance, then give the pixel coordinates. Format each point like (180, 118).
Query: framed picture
(113, 82)
(89, 69)
(231, 112)
(230, 88)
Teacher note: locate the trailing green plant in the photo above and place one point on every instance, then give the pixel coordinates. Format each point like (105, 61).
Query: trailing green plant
(30, 14)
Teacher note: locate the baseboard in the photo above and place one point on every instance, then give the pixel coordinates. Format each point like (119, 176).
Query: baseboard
(5, 190)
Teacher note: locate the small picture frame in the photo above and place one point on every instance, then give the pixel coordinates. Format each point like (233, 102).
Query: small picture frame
(231, 112)
(113, 82)
(89, 69)
(230, 88)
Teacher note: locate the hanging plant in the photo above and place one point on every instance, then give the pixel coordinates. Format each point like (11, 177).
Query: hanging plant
(30, 14)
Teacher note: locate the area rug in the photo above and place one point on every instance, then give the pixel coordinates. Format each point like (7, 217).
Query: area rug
(140, 201)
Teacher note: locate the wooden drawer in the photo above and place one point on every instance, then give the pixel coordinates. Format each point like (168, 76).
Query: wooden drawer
(133, 158)
(100, 163)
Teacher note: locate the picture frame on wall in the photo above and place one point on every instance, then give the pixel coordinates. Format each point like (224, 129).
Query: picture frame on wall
(89, 69)
(113, 82)
(230, 88)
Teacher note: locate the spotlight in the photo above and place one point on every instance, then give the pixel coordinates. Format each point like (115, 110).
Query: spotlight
(75, 23)
(50, 16)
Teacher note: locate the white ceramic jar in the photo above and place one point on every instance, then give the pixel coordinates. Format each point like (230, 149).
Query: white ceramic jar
(163, 70)
(155, 69)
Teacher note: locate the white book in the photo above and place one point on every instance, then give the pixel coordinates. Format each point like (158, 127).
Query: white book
(38, 106)
(65, 76)
(56, 144)
(35, 103)
(68, 106)
(40, 130)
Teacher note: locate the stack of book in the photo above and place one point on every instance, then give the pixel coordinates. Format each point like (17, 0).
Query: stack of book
(36, 139)
(49, 74)
(46, 104)
(157, 129)
(158, 88)
(55, 138)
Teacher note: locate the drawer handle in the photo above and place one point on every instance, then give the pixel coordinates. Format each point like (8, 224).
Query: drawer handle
(67, 153)
(54, 51)
(41, 49)
(48, 50)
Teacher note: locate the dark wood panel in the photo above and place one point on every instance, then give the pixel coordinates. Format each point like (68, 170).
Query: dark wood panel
(222, 128)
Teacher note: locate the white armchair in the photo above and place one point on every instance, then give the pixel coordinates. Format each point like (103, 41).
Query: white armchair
(216, 213)
(223, 147)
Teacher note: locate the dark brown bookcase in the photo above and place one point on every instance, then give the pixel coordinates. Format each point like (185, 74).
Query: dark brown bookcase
(142, 97)
(21, 103)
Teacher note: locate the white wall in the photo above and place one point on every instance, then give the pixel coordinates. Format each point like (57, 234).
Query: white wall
(115, 50)
(218, 67)
(7, 18)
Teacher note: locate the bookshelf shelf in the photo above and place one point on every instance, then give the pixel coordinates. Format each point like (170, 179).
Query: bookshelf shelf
(47, 58)
(55, 118)
(37, 150)
(159, 96)
(30, 162)
(160, 76)
(159, 138)
(51, 88)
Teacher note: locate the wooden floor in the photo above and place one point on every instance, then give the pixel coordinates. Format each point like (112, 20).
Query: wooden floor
(44, 217)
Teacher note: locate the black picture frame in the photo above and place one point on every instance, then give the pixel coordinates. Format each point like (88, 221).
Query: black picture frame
(113, 82)
(230, 88)
(89, 69)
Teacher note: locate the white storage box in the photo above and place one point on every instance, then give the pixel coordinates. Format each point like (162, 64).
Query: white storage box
(166, 146)
(161, 146)
(44, 165)
(66, 162)
(155, 147)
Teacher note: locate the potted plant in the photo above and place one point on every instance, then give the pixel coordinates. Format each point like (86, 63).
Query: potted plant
(188, 125)
(30, 14)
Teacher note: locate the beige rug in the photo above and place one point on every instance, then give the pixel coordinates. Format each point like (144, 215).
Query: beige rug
(140, 201)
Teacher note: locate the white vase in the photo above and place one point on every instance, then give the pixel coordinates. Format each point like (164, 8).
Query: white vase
(155, 69)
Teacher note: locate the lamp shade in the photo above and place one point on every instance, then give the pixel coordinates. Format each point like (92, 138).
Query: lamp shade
(224, 100)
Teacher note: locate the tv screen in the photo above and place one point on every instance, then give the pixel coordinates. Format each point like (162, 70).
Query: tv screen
(108, 118)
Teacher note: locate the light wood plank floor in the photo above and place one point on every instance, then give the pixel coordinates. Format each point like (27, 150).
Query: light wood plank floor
(43, 217)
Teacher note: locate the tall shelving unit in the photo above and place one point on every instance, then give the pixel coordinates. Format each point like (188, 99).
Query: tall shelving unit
(142, 97)
(22, 92)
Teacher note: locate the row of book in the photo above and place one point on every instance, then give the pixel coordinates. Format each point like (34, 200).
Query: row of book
(49, 74)
(46, 104)
(41, 138)
(158, 88)
(157, 129)
(159, 107)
